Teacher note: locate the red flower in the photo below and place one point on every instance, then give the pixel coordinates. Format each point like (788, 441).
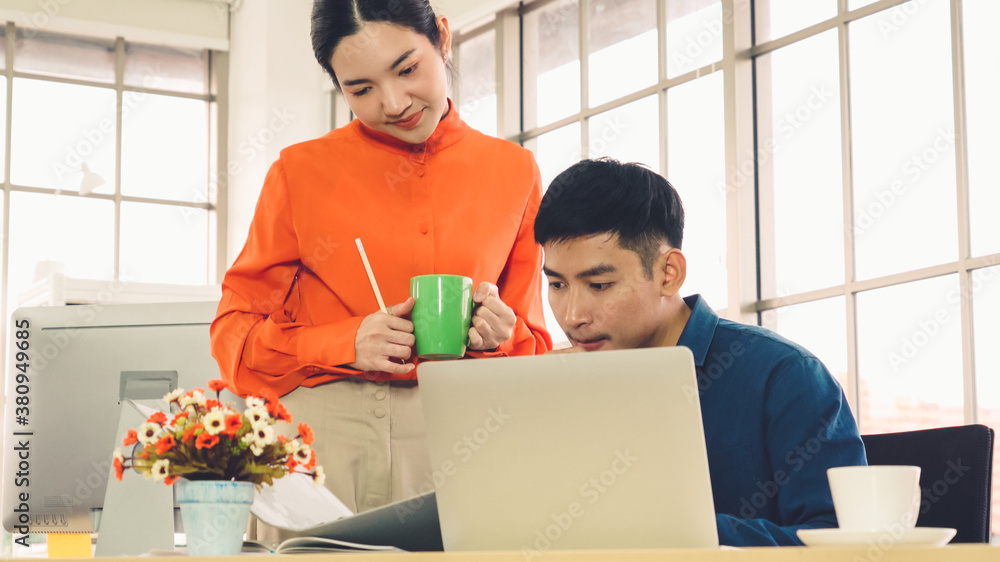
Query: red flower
(206, 441)
(233, 424)
(144, 454)
(306, 433)
(165, 444)
(130, 439)
(210, 404)
(217, 385)
(119, 469)
(170, 480)
(189, 432)
(282, 439)
(279, 413)
(269, 396)
(158, 418)
(179, 416)
(291, 463)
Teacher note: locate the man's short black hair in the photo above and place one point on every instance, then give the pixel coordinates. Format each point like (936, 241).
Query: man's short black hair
(605, 196)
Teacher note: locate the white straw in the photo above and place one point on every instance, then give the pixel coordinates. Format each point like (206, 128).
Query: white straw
(371, 276)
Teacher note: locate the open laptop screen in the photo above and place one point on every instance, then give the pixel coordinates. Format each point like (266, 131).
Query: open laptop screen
(567, 451)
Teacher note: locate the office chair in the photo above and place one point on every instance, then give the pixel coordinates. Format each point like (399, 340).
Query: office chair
(956, 466)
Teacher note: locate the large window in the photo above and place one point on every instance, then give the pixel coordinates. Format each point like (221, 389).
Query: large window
(647, 91)
(107, 172)
(860, 153)
(876, 244)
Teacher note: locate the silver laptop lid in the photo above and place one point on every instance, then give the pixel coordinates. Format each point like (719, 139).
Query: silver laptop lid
(583, 450)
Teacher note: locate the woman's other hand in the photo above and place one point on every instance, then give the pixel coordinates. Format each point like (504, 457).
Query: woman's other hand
(385, 339)
(492, 322)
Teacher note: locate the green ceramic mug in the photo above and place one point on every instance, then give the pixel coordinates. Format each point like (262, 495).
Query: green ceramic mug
(441, 315)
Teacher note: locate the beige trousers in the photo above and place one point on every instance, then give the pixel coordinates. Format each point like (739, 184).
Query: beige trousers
(369, 441)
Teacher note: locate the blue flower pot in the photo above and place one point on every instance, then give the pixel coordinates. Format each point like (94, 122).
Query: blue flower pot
(215, 515)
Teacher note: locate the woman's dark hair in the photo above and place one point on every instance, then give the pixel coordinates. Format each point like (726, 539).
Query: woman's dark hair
(333, 20)
(605, 196)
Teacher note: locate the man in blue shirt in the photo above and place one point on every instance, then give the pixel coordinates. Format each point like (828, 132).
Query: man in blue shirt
(775, 419)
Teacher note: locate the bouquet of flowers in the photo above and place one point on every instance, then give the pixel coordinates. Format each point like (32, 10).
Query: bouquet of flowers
(208, 440)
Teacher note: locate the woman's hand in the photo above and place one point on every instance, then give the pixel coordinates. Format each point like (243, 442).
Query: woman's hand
(492, 322)
(384, 340)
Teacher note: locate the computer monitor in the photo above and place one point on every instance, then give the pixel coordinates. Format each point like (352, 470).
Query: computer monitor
(69, 370)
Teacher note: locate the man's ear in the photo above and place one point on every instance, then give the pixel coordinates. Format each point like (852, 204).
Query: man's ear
(673, 265)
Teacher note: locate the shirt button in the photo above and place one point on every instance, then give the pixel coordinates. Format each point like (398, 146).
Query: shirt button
(420, 172)
(380, 412)
(380, 394)
(418, 147)
(423, 229)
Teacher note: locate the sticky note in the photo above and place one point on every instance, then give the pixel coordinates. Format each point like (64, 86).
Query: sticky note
(69, 545)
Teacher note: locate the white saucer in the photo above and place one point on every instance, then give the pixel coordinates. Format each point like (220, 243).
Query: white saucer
(918, 536)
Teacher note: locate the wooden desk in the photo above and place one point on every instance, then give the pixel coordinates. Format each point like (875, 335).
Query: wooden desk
(956, 553)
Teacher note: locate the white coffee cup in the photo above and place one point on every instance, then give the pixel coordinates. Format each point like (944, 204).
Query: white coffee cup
(874, 498)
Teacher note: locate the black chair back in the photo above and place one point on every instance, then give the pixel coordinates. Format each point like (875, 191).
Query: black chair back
(956, 465)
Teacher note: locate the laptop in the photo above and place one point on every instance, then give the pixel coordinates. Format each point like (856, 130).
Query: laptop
(598, 450)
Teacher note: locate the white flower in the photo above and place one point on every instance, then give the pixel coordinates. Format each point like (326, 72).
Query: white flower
(304, 454)
(293, 446)
(173, 395)
(119, 455)
(214, 421)
(196, 398)
(254, 402)
(161, 469)
(263, 436)
(258, 416)
(149, 432)
(319, 477)
(256, 450)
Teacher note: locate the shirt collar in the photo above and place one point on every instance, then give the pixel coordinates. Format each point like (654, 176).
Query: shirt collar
(700, 328)
(450, 130)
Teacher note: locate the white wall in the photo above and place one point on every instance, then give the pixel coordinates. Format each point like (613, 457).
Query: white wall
(464, 12)
(184, 23)
(277, 97)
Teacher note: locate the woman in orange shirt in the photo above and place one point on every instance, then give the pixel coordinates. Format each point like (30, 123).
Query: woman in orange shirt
(426, 194)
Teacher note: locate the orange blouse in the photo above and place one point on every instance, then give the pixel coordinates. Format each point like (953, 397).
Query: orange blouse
(460, 203)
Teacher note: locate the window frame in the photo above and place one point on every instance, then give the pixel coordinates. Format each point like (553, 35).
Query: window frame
(216, 203)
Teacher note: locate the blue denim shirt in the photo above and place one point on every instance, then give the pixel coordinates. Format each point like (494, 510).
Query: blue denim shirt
(775, 419)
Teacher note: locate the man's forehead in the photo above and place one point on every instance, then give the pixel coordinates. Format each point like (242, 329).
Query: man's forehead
(579, 261)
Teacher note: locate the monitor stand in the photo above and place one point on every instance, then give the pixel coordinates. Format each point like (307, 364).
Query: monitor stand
(138, 514)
